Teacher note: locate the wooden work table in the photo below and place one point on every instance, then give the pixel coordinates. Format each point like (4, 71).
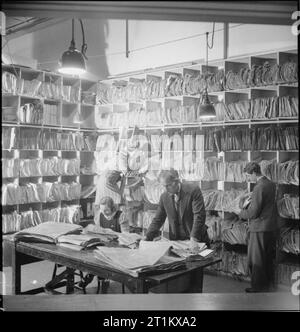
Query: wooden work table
(24, 253)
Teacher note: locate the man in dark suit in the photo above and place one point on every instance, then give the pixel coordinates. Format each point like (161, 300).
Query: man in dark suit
(262, 216)
(184, 206)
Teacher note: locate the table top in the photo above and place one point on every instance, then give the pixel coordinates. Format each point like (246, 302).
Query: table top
(154, 302)
(85, 259)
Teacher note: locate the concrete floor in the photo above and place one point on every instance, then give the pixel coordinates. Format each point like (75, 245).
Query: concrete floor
(38, 274)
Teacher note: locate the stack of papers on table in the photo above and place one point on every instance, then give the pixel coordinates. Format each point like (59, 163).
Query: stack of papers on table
(79, 241)
(47, 232)
(182, 249)
(105, 234)
(129, 239)
(150, 257)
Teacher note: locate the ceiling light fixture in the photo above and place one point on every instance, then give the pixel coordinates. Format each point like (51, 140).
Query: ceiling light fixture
(206, 109)
(72, 61)
(77, 117)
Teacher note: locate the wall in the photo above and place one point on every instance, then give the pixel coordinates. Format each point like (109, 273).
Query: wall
(145, 33)
(249, 38)
(106, 40)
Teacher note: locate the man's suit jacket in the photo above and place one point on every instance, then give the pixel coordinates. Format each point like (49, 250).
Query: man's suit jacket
(262, 210)
(191, 211)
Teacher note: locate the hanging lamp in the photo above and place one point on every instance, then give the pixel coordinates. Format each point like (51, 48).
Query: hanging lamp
(77, 117)
(72, 61)
(206, 109)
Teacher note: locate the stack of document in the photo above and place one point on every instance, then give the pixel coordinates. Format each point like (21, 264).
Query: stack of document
(107, 235)
(79, 241)
(150, 257)
(182, 249)
(47, 232)
(129, 239)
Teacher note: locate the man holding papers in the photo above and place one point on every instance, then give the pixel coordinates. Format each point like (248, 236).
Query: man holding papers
(262, 216)
(184, 206)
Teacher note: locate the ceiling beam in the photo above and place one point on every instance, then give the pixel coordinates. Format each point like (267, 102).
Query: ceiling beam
(248, 12)
(37, 24)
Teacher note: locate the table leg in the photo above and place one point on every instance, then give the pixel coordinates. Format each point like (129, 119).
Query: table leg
(141, 286)
(16, 272)
(70, 281)
(196, 281)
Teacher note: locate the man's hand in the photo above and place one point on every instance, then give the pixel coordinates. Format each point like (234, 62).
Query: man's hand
(194, 247)
(157, 238)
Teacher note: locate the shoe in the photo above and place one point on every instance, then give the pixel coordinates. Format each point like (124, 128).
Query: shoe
(251, 290)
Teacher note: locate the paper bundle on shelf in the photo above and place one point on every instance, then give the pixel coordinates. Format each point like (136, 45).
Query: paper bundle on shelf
(51, 115)
(9, 82)
(269, 168)
(50, 90)
(9, 138)
(290, 240)
(49, 167)
(262, 75)
(10, 167)
(234, 171)
(155, 89)
(235, 231)
(39, 192)
(10, 194)
(103, 95)
(213, 199)
(231, 200)
(213, 169)
(288, 172)
(288, 206)
(214, 227)
(238, 110)
(71, 94)
(11, 222)
(31, 88)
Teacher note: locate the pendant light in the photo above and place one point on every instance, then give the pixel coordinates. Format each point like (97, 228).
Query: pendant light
(72, 61)
(206, 109)
(77, 117)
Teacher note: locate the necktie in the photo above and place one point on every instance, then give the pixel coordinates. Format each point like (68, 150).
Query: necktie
(175, 203)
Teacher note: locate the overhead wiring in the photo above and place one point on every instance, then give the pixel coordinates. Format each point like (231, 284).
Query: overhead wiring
(155, 45)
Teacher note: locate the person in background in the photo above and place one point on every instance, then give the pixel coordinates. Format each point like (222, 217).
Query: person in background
(183, 204)
(110, 183)
(109, 217)
(262, 216)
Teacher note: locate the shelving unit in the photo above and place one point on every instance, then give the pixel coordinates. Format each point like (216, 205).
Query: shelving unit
(60, 98)
(146, 93)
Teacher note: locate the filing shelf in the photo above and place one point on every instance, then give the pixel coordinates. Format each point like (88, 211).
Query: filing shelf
(63, 123)
(228, 96)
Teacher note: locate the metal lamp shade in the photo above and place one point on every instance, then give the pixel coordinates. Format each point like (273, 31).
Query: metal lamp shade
(206, 108)
(77, 118)
(72, 62)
